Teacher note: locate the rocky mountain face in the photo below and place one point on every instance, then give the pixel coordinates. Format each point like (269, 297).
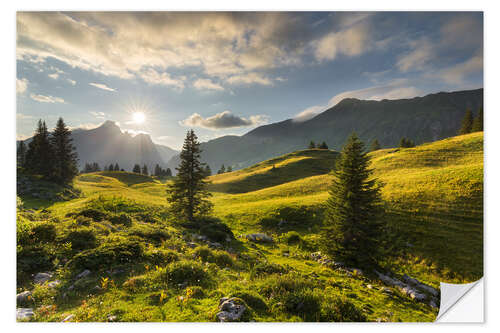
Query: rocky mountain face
(421, 119)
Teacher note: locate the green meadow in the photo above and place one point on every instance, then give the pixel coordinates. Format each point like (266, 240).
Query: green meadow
(144, 266)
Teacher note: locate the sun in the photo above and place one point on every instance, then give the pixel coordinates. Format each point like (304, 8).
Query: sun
(138, 117)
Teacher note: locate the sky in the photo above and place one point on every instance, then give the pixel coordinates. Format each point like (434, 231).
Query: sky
(225, 73)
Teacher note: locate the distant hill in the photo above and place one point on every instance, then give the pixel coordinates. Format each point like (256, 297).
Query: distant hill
(107, 144)
(422, 119)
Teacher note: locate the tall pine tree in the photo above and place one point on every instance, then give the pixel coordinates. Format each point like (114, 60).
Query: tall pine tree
(375, 145)
(477, 124)
(353, 211)
(21, 154)
(187, 193)
(65, 157)
(137, 168)
(40, 155)
(312, 145)
(466, 123)
(145, 170)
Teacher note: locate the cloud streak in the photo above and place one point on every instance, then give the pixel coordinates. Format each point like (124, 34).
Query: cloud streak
(21, 85)
(102, 86)
(223, 120)
(46, 99)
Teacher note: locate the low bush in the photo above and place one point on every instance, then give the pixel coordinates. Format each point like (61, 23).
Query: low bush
(114, 251)
(195, 292)
(161, 257)
(81, 239)
(291, 217)
(253, 300)
(84, 221)
(304, 303)
(337, 309)
(185, 272)
(276, 286)
(94, 214)
(291, 238)
(153, 235)
(220, 258)
(270, 222)
(122, 219)
(223, 259)
(216, 231)
(34, 259)
(266, 268)
(44, 232)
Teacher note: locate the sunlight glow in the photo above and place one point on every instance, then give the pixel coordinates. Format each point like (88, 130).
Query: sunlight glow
(138, 117)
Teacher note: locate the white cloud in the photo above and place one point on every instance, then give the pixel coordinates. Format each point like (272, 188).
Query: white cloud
(85, 126)
(223, 120)
(207, 84)
(46, 99)
(248, 79)
(134, 132)
(102, 86)
(98, 114)
(72, 82)
(308, 113)
(151, 76)
(422, 51)
(21, 85)
(351, 42)
(54, 76)
(21, 116)
(456, 74)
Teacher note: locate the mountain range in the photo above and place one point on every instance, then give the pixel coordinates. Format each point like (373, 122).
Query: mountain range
(421, 119)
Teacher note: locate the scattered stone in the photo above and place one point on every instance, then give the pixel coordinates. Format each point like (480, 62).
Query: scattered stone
(191, 245)
(41, 278)
(369, 286)
(214, 245)
(68, 318)
(112, 318)
(230, 310)
(54, 283)
(259, 237)
(316, 256)
(83, 274)
(23, 297)
(387, 291)
(24, 314)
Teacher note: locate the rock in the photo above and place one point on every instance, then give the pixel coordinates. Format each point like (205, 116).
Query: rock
(23, 297)
(369, 286)
(41, 278)
(214, 245)
(387, 291)
(390, 281)
(191, 245)
(54, 283)
(259, 237)
(83, 274)
(433, 303)
(112, 318)
(316, 256)
(420, 285)
(24, 313)
(230, 310)
(68, 318)
(357, 271)
(412, 293)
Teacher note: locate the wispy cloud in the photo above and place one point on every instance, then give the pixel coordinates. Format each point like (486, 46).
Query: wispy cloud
(102, 86)
(46, 99)
(152, 76)
(72, 82)
(98, 114)
(207, 84)
(21, 85)
(250, 78)
(54, 76)
(223, 120)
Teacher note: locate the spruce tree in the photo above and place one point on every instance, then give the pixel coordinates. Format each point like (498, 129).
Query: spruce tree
(353, 211)
(117, 167)
(168, 172)
(157, 171)
(40, 155)
(145, 170)
(137, 168)
(21, 154)
(221, 170)
(187, 193)
(208, 171)
(477, 125)
(466, 123)
(312, 145)
(323, 145)
(229, 169)
(375, 145)
(65, 157)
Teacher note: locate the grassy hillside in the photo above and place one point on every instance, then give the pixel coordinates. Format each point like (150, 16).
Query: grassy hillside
(434, 207)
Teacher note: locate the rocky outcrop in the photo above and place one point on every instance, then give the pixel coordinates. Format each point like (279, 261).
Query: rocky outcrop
(259, 238)
(24, 314)
(231, 309)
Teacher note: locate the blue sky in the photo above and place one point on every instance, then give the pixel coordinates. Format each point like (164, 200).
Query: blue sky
(226, 73)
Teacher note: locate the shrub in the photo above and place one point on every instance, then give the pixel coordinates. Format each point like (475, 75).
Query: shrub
(341, 310)
(33, 259)
(44, 232)
(223, 259)
(270, 222)
(115, 251)
(277, 286)
(82, 220)
(81, 239)
(266, 268)
(94, 214)
(290, 217)
(303, 303)
(153, 235)
(216, 231)
(196, 291)
(161, 257)
(189, 272)
(220, 258)
(253, 300)
(123, 219)
(291, 237)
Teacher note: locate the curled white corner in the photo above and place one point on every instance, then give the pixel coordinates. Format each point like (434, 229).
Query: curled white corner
(452, 295)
